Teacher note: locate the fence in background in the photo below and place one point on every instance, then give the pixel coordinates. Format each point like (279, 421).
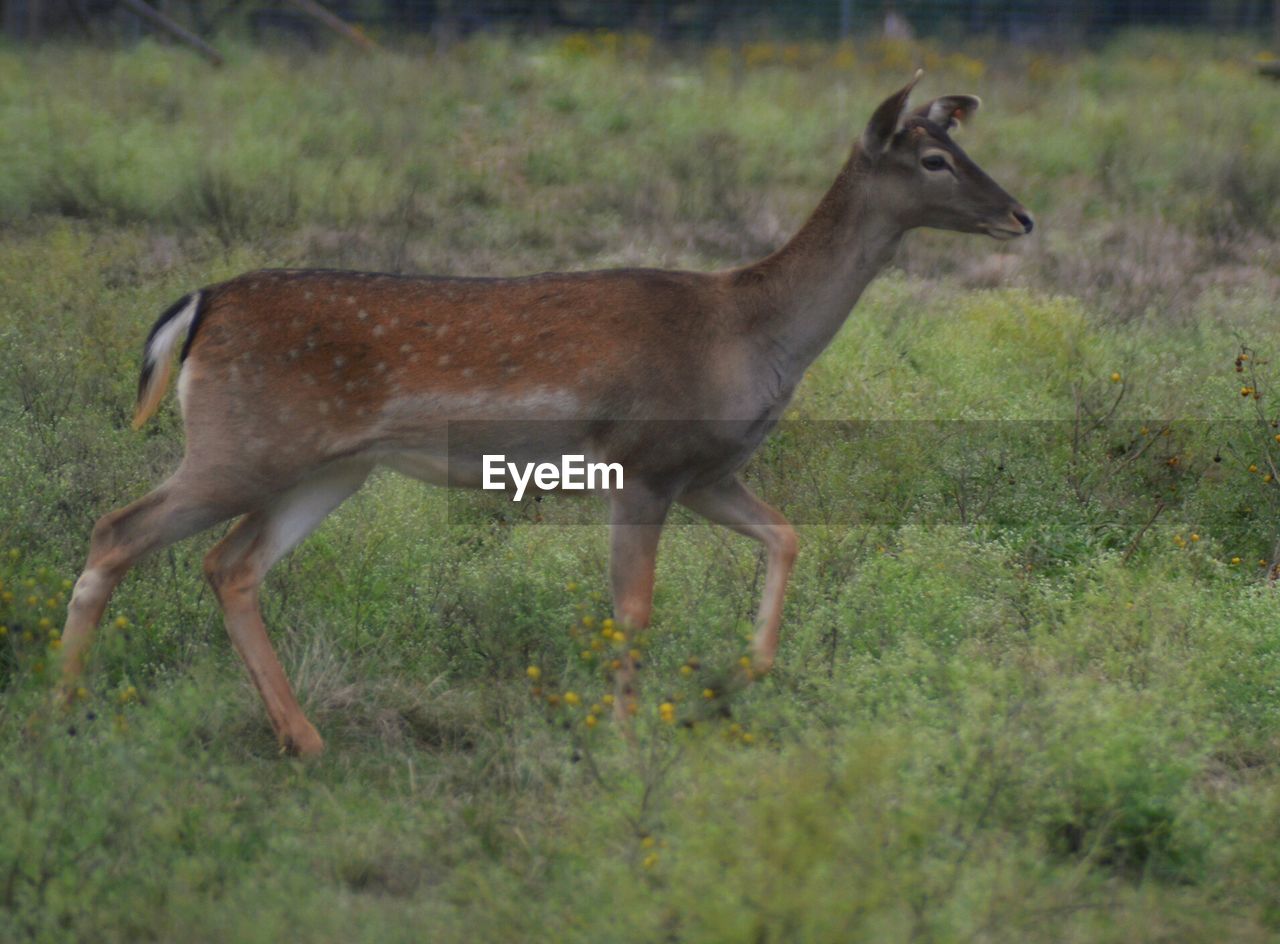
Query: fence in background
(698, 20)
(711, 18)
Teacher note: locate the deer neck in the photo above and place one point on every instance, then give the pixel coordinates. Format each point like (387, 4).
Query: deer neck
(801, 295)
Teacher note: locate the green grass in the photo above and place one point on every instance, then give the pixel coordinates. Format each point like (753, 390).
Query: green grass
(1029, 683)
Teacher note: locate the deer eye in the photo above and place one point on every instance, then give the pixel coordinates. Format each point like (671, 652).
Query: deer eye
(934, 162)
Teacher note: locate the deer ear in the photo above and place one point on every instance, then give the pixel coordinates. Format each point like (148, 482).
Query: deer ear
(884, 123)
(949, 110)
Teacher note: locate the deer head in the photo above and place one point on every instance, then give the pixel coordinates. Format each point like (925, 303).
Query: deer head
(910, 159)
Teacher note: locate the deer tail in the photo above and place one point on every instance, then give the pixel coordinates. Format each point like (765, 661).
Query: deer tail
(179, 321)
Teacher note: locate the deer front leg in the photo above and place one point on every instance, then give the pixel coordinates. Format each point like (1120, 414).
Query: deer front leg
(636, 519)
(732, 504)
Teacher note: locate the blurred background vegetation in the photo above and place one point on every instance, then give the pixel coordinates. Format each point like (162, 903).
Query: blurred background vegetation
(1029, 682)
(1043, 22)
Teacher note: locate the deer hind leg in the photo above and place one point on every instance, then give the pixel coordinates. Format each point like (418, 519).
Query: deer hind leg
(236, 567)
(636, 520)
(167, 515)
(732, 504)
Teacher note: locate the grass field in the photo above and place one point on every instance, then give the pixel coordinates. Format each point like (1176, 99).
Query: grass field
(1029, 682)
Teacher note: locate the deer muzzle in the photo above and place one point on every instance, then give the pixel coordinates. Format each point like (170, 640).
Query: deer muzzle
(1017, 222)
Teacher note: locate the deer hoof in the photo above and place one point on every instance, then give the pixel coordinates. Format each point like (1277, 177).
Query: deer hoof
(761, 663)
(304, 741)
(68, 693)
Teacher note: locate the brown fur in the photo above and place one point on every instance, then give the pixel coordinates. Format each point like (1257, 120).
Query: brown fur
(298, 382)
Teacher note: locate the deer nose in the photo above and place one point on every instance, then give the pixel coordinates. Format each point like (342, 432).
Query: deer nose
(1023, 217)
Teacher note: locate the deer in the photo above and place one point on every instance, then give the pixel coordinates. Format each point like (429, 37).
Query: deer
(295, 384)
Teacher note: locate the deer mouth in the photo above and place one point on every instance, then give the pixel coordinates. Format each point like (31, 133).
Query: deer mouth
(1016, 223)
